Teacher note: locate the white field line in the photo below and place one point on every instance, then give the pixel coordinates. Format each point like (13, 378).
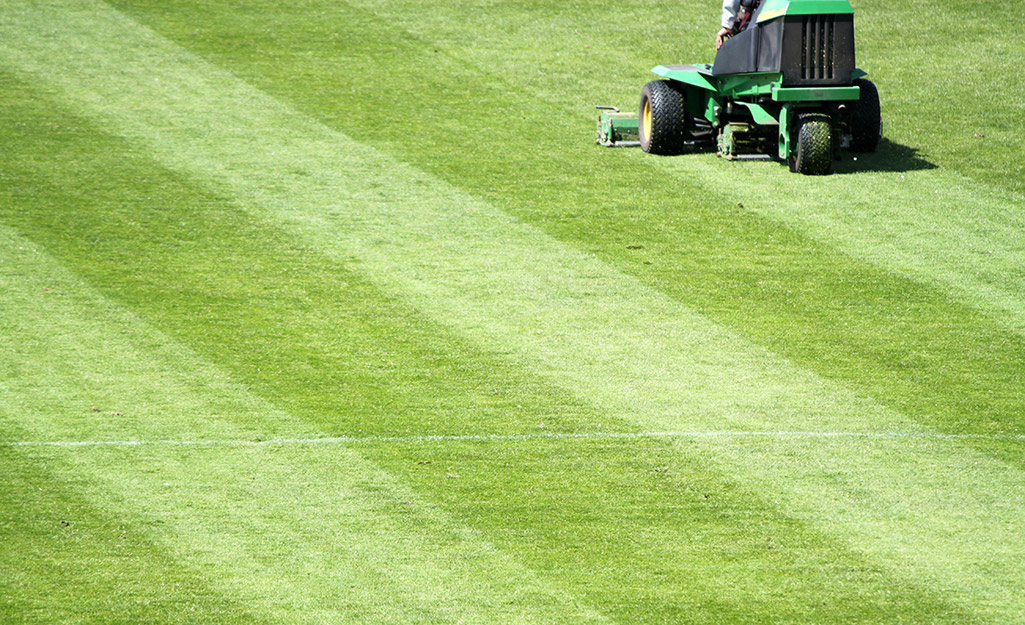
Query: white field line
(488, 438)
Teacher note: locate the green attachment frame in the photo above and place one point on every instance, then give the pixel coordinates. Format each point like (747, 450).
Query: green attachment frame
(761, 114)
(616, 128)
(785, 119)
(814, 94)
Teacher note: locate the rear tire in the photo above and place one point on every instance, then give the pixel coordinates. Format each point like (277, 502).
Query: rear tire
(814, 136)
(866, 120)
(662, 118)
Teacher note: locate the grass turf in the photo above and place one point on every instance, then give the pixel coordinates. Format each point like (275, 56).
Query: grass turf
(223, 223)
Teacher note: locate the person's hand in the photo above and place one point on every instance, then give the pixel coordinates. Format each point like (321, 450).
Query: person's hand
(721, 37)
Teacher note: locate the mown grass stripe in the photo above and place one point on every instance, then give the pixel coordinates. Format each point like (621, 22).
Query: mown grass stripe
(593, 305)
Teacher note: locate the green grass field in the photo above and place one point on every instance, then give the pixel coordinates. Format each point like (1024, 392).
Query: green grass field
(332, 312)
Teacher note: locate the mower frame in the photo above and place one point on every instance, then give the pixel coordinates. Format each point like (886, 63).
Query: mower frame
(805, 103)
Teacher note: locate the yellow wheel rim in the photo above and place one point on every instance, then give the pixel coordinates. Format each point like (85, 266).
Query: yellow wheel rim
(646, 119)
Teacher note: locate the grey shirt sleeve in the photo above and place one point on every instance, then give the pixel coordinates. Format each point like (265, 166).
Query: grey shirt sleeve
(729, 12)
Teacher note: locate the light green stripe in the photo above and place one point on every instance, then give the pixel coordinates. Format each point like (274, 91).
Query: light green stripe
(511, 288)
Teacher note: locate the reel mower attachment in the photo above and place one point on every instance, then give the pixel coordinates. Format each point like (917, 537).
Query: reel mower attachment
(616, 128)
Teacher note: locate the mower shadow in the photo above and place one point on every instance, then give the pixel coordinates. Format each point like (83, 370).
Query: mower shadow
(888, 157)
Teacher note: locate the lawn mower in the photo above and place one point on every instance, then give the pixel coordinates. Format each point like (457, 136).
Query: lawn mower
(783, 85)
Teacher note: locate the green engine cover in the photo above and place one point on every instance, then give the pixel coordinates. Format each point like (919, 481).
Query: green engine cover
(778, 8)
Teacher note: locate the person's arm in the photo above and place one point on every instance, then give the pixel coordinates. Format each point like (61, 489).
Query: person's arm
(730, 8)
(729, 16)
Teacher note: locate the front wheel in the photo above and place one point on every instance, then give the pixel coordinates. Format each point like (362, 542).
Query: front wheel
(662, 118)
(814, 135)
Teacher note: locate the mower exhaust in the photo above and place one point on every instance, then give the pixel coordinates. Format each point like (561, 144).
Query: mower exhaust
(616, 129)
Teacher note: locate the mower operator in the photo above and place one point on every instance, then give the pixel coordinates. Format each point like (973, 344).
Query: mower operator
(735, 14)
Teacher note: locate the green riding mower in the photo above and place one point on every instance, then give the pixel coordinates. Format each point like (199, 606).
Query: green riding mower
(783, 85)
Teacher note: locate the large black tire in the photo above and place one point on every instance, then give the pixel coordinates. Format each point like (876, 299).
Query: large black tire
(866, 120)
(662, 118)
(813, 134)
